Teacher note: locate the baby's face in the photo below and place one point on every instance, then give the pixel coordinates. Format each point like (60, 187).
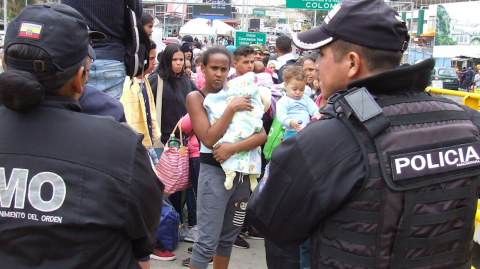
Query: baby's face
(295, 88)
(271, 67)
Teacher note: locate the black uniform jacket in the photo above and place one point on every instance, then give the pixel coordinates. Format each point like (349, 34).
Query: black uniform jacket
(77, 191)
(315, 173)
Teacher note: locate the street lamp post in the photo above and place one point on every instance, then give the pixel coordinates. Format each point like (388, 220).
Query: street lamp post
(5, 15)
(243, 15)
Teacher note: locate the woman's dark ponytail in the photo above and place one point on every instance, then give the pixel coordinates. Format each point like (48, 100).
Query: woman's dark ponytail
(20, 90)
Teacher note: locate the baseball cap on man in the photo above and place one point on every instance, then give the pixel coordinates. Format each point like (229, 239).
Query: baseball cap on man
(368, 23)
(186, 46)
(56, 28)
(257, 48)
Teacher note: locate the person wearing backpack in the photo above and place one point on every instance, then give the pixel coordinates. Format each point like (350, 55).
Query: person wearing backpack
(283, 49)
(108, 71)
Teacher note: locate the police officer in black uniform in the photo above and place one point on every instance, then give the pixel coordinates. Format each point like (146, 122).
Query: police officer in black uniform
(388, 178)
(76, 191)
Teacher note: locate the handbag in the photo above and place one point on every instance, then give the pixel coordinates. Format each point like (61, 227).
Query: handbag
(173, 167)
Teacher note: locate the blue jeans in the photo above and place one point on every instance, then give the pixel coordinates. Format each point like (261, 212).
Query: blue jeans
(305, 255)
(190, 195)
(108, 76)
(288, 134)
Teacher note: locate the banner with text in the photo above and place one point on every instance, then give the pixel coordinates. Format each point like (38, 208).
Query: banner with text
(312, 4)
(247, 38)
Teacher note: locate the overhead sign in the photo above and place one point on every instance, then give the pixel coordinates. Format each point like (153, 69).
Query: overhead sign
(268, 13)
(247, 38)
(312, 4)
(259, 12)
(274, 13)
(213, 9)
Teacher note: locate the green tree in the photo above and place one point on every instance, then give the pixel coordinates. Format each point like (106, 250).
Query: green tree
(15, 6)
(442, 31)
(321, 14)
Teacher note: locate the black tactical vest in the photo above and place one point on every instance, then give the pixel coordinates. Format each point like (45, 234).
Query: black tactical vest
(417, 205)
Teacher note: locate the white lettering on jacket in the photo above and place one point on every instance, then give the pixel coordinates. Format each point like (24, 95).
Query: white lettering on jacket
(450, 157)
(17, 185)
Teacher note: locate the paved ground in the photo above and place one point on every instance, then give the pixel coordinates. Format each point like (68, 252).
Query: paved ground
(252, 258)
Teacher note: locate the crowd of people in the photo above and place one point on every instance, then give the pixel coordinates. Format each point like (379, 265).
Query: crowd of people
(369, 172)
(468, 78)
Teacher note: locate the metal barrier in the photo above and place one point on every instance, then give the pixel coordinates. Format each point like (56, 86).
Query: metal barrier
(470, 99)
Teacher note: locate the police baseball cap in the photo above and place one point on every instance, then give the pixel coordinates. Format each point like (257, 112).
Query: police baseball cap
(368, 23)
(56, 28)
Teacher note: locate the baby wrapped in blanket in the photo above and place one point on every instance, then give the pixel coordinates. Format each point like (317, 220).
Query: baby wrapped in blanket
(243, 125)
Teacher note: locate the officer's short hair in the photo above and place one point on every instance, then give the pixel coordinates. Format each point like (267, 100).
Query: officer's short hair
(376, 60)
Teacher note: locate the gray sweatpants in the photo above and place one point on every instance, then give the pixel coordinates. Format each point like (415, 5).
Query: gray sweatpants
(220, 214)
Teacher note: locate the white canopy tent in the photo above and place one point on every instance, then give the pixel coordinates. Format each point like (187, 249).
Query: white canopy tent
(197, 26)
(223, 28)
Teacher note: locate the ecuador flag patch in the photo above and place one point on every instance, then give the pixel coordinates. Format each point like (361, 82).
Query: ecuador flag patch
(30, 30)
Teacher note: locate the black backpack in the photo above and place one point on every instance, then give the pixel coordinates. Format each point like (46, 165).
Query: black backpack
(137, 44)
(279, 72)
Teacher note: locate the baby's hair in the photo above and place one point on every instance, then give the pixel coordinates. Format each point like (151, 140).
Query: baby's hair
(198, 59)
(294, 72)
(258, 67)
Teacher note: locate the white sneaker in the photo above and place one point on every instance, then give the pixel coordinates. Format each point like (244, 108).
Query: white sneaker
(191, 235)
(183, 231)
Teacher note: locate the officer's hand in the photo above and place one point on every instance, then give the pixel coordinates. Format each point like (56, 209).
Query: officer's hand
(222, 152)
(241, 103)
(295, 125)
(318, 116)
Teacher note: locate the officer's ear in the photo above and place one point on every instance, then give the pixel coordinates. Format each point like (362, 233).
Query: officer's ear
(355, 65)
(78, 82)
